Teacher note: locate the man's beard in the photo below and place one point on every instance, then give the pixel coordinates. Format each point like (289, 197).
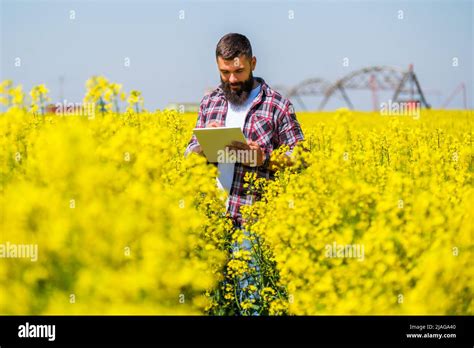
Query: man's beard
(239, 96)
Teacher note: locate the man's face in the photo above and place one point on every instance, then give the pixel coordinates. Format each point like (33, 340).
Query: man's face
(236, 78)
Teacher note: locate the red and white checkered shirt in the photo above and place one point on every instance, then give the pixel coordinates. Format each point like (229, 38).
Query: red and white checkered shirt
(271, 122)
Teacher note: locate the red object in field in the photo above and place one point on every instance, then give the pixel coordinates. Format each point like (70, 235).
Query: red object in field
(51, 109)
(413, 105)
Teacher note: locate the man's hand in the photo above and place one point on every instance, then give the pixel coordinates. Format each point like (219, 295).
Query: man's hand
(198, 150)
(253, 158)
(213, 124)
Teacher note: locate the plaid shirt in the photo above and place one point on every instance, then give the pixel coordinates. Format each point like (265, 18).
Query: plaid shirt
(271, 122)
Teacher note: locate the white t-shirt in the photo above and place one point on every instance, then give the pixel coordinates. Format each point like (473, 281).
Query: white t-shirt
(235, 118)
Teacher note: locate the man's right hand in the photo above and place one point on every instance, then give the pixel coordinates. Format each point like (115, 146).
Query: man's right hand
(213, 124)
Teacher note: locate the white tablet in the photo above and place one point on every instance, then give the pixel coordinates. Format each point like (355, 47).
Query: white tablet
(214, 139)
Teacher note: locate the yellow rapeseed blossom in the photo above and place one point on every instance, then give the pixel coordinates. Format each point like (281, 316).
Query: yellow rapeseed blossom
(374, 216)
(123, 224)
(369, 215)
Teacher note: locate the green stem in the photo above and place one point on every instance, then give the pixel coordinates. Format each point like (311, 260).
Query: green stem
(236, 300)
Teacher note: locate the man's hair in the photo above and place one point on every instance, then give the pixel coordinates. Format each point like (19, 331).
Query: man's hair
(233, 45)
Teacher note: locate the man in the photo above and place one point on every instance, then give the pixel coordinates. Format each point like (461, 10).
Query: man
(266, 118)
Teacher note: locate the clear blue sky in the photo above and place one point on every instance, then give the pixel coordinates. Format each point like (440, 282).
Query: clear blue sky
(172, 59)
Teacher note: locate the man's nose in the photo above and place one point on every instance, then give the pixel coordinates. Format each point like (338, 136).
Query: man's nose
(233, 79)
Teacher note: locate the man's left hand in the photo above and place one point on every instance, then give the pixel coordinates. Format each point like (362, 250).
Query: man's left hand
(254, 158)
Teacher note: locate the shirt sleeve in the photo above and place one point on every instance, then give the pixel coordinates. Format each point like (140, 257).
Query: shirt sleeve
(289, 129)
(201, 121)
